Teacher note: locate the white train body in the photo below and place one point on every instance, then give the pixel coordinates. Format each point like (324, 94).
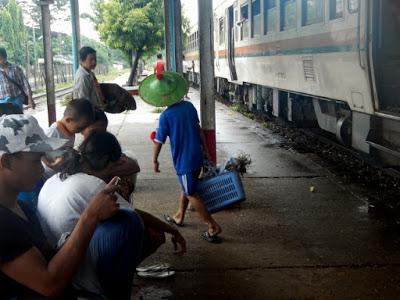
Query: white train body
(337, 61)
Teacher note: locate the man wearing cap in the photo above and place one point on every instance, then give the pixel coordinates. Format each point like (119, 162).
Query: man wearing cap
(27, 262)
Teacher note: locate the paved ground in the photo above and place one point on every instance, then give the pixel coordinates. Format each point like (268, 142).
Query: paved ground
(284, 242)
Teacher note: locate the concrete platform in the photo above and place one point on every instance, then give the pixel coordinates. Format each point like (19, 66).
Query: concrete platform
(283, 242)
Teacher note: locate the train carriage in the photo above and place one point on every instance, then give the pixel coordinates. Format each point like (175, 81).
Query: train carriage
(333, 61)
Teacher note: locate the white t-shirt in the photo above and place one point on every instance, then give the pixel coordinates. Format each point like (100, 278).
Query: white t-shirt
(61, 203)
(59, 207)
(185, 66)
(56, 132)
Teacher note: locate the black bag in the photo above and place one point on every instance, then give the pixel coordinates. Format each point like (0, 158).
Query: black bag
(117, 98)
(24, 96)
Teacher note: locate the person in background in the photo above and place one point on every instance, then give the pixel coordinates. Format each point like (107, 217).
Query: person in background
(180, 123)
(186, 69)
(86, 85)
(28, 263)
(14, 86)
(159, 66)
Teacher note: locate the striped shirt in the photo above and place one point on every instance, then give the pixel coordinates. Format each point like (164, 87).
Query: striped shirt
(9, 89)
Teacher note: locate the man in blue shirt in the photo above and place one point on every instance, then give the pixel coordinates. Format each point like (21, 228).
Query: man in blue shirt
(180, 123)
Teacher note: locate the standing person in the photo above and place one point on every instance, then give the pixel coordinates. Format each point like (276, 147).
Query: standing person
(14, 86)
(86, 85)
(180, 123)
(186, 69)
(159, 66)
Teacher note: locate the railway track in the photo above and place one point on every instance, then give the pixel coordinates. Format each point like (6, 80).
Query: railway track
(59, 93)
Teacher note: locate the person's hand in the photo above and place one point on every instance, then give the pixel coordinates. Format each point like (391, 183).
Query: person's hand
(31, 103)
(156, 166)
(179, 243)
(104, 205)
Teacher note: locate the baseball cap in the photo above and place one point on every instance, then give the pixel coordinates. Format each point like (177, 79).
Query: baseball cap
(22, 133)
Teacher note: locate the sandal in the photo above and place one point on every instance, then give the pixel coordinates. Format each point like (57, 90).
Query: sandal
(171, 221)
(215, 239)
(155, 275)
(154, 268)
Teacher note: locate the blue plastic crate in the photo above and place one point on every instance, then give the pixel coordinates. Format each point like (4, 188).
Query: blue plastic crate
(221, 191)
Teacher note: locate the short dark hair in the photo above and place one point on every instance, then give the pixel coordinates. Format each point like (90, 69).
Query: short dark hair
(159, 55)
(100, 117)
(79, 109)
(3, 53)
(84, 52)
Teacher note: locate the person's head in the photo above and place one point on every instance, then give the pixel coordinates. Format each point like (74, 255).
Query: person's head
(88, 58)
(96, 156)
(183, 56)
(22, 144)
(159, 56)
(3, 56)
(100, 123)
(78, 114)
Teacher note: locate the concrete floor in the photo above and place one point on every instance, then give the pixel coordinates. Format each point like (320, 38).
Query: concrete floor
(283, 242)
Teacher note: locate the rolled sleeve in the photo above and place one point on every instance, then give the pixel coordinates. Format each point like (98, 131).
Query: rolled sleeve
(162, 131)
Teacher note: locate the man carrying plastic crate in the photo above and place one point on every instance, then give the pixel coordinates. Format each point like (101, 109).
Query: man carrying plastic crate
(180, 123)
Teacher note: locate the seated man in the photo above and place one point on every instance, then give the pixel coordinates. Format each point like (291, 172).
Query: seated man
(27, 262)
(65, 196)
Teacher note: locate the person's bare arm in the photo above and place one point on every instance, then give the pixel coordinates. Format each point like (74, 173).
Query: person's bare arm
(50, 278)
(156, 152)
(153, 222)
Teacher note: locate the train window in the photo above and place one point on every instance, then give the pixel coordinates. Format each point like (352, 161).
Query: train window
(312, 12)
(353, 6)
(336, 9)
(255, 18)
(288, 14)
(221, 26)
(270, 14)
(244, 21)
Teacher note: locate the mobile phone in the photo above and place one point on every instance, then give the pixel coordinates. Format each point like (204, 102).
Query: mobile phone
(117, 181)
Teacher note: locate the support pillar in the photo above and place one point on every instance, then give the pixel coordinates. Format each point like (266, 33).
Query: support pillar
(207, 91)
(76, 39)
(48, 61)
(173, 35)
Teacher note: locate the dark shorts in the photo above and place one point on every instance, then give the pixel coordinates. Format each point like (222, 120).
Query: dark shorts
(189, 182)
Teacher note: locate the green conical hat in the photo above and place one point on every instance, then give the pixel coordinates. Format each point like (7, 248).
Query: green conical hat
(166, 91)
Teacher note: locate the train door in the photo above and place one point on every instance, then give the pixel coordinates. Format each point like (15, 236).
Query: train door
(231, 44)
(386, 54)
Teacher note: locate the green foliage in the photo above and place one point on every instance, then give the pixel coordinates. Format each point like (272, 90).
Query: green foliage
(133, 26)
(12, 31)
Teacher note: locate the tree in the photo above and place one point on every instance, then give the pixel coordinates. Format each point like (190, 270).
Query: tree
(133, 26)
(12, 31)
(32, 10)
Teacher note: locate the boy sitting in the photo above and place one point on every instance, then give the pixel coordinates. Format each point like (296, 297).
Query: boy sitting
(78, 114)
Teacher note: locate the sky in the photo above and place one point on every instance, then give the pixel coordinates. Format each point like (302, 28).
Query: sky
(189, 8)
(87, 27)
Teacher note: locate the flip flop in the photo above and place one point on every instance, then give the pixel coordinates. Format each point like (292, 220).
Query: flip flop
(154, 268)
(215, 239)
(156, 275)
(171, 221)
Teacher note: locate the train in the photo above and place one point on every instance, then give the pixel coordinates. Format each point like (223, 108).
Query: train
(334, 63)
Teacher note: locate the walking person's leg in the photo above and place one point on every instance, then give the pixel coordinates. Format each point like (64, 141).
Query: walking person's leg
(189, 184)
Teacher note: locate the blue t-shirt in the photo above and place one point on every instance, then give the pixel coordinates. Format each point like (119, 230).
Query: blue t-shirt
(180, 123)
